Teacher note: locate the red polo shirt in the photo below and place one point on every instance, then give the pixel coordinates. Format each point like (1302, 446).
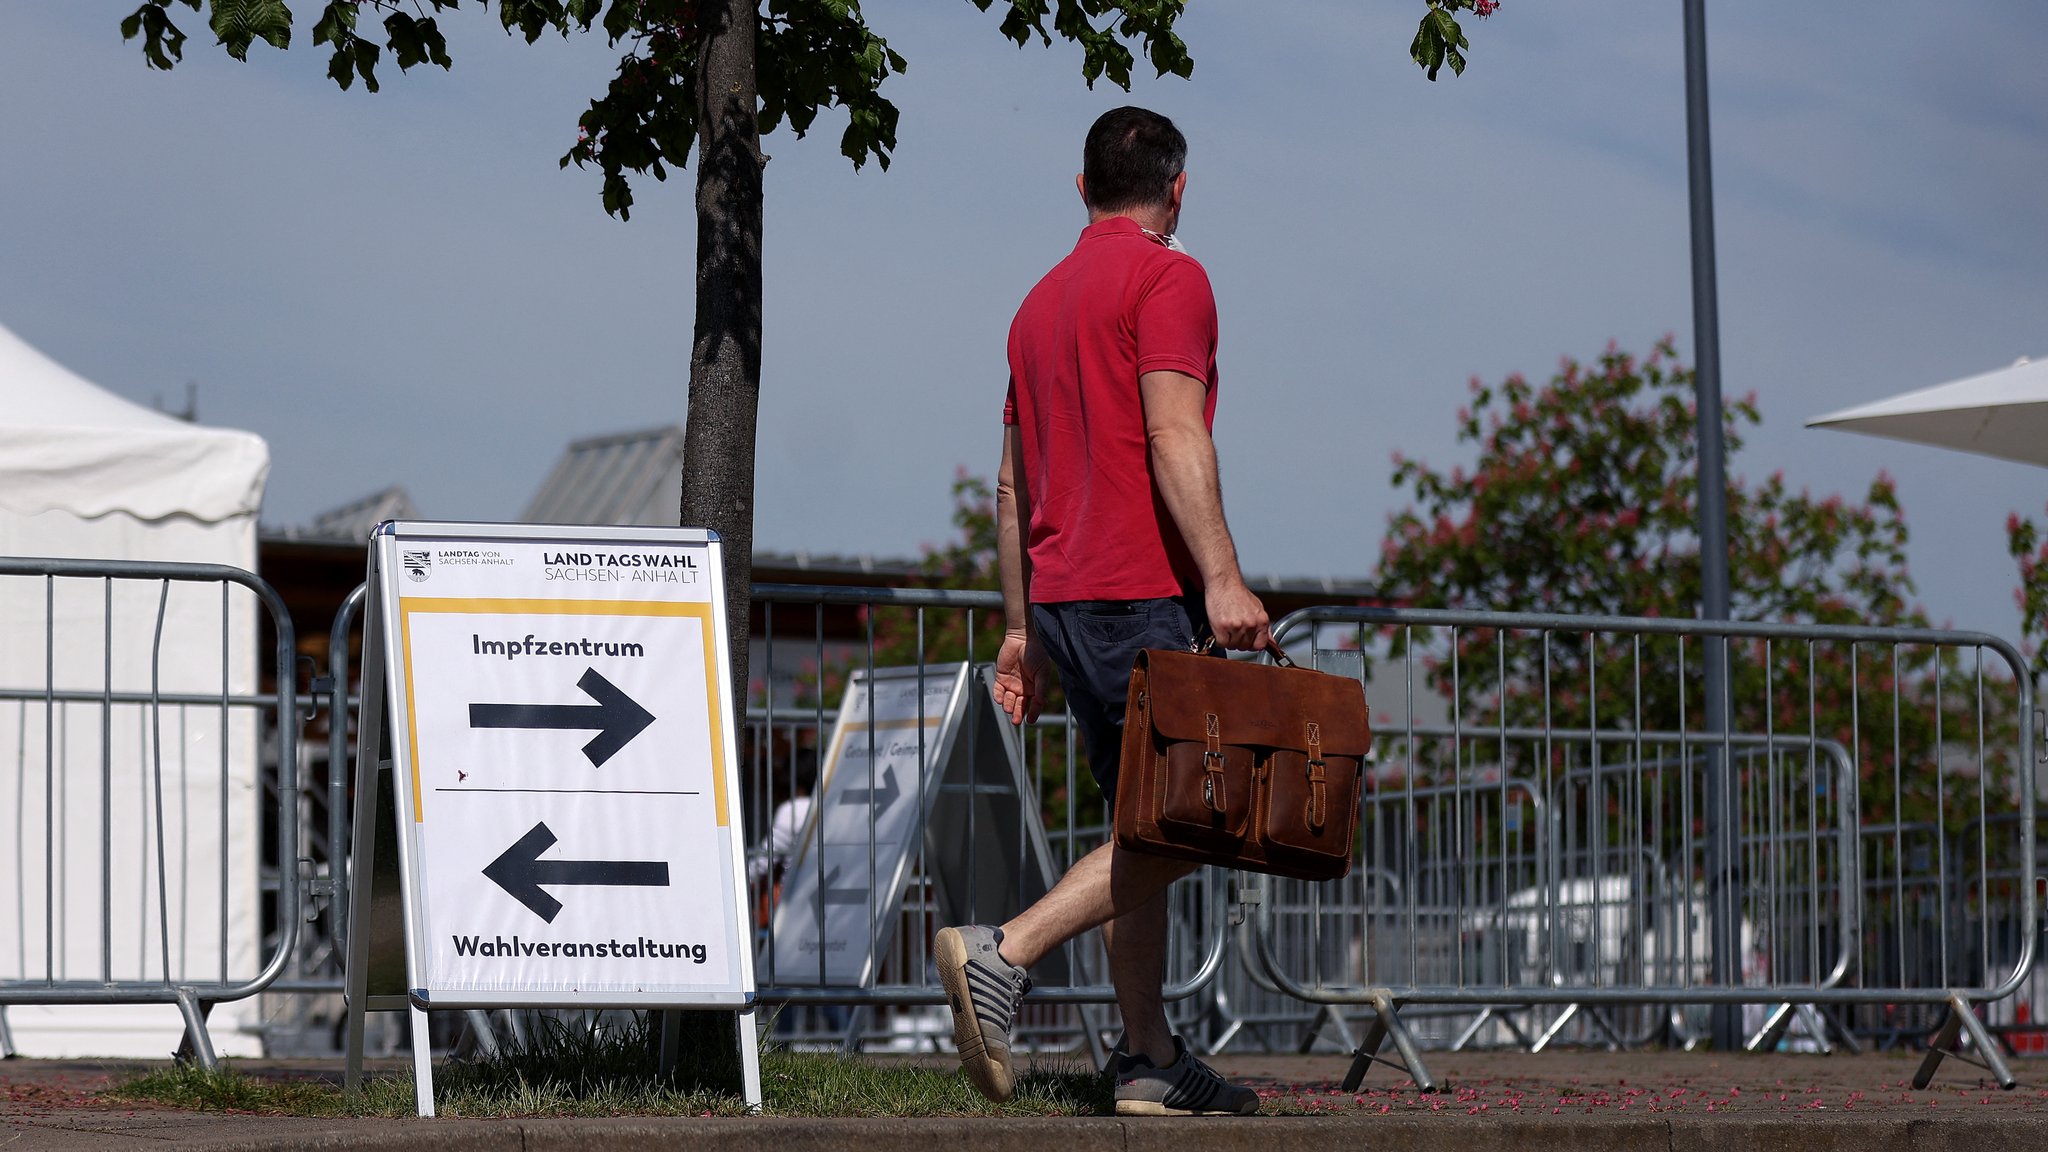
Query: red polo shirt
(1120, 305)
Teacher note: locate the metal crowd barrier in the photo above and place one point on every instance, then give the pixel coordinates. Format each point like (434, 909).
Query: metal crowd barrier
(131, 731)
(1535, 865)
(1551, 848)
(818, 638)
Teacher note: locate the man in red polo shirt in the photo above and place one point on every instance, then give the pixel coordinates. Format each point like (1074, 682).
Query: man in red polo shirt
(1112, 539)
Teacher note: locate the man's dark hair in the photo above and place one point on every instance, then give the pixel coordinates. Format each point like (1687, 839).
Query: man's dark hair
(1131, 158)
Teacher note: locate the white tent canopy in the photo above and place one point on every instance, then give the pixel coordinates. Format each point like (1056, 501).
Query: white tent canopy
(2002, 413)
(67, 444)
(87, 474)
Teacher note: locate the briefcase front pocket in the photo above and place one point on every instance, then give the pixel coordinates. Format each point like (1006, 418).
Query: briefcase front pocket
(1203, 796)
(1311, 811)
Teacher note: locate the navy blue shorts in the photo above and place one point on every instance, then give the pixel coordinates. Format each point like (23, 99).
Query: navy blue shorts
(1093, 643)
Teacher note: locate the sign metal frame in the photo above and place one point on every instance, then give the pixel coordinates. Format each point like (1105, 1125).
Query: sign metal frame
(388, 739)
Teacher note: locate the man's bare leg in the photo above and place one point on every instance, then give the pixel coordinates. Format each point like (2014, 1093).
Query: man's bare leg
(1136, 942)
(1110, 884)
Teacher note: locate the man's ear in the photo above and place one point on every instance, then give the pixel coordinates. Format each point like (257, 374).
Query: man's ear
(1081, 186)
(1180, 186)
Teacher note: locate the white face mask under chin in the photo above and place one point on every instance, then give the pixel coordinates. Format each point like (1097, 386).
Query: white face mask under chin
(1166, 238)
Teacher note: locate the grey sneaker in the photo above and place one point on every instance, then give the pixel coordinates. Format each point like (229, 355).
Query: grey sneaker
(1186, 1087)
(984, 990)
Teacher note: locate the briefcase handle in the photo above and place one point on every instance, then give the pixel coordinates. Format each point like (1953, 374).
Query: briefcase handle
(1205, 640)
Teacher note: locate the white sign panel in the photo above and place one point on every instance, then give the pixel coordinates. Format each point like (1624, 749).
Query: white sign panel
(567, 781)
(852, 882)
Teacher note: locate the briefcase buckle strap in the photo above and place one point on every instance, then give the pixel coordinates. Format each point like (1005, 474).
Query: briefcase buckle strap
(1213, 790)
(1317, 790)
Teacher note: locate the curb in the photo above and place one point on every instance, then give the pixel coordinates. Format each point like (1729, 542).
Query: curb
(1272, 1134)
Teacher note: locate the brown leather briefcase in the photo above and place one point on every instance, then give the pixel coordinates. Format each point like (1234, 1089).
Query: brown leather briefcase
(1252, 766)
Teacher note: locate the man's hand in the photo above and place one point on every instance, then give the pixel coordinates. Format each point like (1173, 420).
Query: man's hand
(1237, 617)
(1021, 677)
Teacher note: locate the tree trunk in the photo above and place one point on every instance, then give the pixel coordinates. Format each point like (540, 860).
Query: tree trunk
(725, 389)
(725, 359)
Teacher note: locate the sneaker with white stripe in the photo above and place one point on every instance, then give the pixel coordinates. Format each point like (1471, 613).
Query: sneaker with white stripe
(984, 991)
(1186, 1087)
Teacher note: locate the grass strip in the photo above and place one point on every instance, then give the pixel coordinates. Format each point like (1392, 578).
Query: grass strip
(793, 1084)
(603, 1065)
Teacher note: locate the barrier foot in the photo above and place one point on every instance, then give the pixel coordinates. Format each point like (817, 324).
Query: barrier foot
(1767, 1038)
(1563, 1018)
(1387, 1025)
(196, 1045)
(1314, 1031)
(1781, 1018)
(485, 1035)
(1994, 1060)
(1224, 1037)
(1506, 1019)
(856, 1025)
(1091, 1032)
(7, 1051)
(1843, 1031)
(1962, 1021)
(1606, 1028)
(1363, 1055)
(1472, 1030)
(1816, 1027)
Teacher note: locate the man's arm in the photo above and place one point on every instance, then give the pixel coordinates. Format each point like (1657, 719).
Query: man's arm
(1184, 466)
(1020, 663)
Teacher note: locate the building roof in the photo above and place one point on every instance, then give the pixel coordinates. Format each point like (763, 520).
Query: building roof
(352, 522)
(629, 478)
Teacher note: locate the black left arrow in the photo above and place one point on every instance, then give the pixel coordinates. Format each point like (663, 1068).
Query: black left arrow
(617, 717)
(842, 895)
(520, 871)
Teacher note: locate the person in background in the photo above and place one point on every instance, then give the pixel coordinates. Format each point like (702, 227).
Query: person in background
(778, 843)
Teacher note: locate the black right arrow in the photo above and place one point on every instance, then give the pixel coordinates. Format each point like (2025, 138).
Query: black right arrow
(520, 871)
(617, 716)
(882, 797)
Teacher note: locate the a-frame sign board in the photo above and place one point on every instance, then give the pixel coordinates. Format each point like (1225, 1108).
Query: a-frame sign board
(918, 755)
(551, 710)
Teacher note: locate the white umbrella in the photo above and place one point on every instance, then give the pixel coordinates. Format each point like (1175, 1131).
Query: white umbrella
(2002, 414)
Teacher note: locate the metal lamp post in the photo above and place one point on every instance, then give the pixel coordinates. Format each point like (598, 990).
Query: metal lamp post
(1723, 918)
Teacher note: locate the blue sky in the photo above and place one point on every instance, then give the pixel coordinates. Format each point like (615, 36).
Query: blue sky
(403, 288)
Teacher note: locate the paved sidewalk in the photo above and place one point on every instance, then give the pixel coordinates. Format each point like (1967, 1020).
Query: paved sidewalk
(1573, 1101)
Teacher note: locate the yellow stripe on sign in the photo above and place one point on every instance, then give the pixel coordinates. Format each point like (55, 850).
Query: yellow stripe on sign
(484, 606)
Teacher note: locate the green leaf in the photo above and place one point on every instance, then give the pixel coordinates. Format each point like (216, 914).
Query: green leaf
(403, 37)
(337, 21)
(239, 23)
(1428, 48)
(365, 54)
(415, 41)
(163, 44)
(341, 67)
(619, 20)
(437, 44)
